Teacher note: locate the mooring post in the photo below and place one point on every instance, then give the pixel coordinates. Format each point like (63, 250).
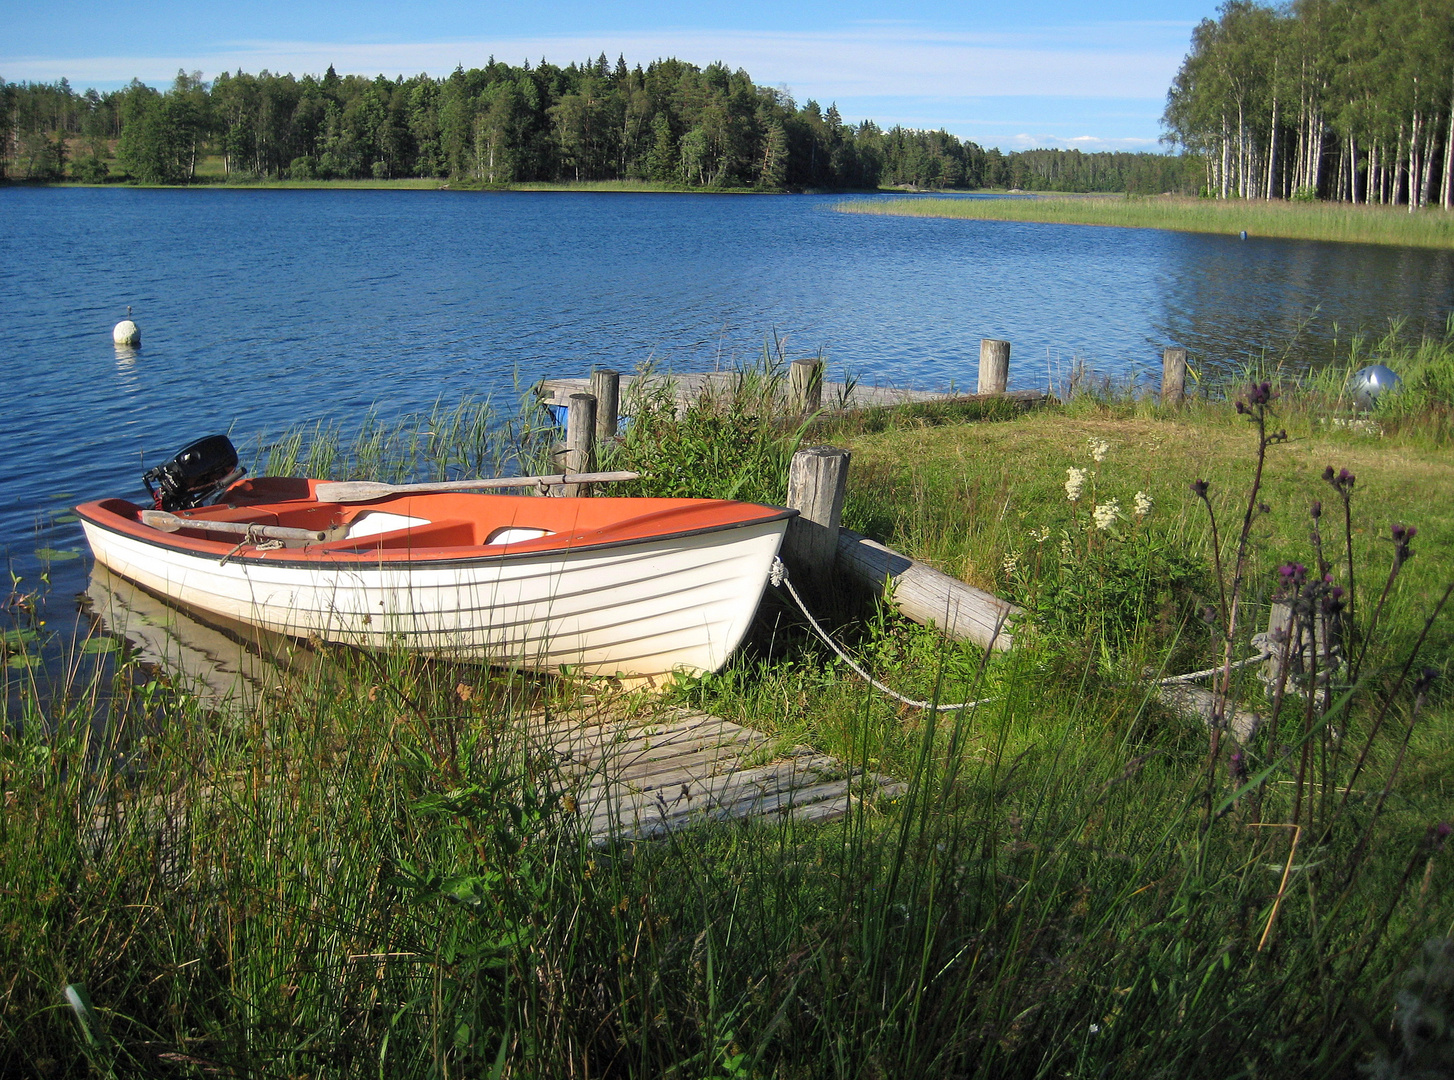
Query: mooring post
(805, 383)
(817, 476)
(580, 442)
(994, 366)
(1173, 375)
(606, 386)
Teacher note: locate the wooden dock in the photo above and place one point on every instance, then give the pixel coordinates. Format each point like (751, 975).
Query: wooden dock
(693, 388)
(642, 778)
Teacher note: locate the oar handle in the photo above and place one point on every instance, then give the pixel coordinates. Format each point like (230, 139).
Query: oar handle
(365, 490)
(165, 522)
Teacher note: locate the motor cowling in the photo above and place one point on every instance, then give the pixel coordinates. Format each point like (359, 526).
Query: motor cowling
(200, 470)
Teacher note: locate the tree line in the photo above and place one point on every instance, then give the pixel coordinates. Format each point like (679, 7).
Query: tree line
(1350, 100)
(670, 122)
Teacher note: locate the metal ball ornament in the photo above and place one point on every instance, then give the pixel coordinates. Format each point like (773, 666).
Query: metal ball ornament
(1370, 383)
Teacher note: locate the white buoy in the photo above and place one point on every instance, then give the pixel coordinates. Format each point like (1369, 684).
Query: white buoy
(126, 332)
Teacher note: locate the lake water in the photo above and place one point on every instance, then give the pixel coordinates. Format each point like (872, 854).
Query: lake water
(261, 310)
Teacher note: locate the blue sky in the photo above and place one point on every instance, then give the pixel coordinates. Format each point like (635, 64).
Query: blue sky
(1035, 73)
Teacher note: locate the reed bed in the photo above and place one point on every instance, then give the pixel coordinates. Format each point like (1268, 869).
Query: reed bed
(375, 870)
(1429, 228)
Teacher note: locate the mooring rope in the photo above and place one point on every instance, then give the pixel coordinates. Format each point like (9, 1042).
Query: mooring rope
(1174, 679)
(779, 577)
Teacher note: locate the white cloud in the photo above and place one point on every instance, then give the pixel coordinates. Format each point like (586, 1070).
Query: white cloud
(1130, 60)
(1088, 143)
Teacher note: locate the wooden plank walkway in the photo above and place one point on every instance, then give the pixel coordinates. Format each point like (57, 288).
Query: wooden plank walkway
(636, 774)
(641, 779)
(689, 389)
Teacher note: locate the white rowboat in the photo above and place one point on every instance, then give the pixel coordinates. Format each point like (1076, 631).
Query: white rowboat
(606, 586)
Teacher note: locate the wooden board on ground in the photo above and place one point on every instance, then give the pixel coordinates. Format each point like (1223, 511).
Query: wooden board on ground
(641, 778)
(631, 777)
(691, 388)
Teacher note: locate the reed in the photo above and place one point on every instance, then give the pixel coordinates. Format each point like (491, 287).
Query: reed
(472, 438)
(1429, 228)
(375, 869)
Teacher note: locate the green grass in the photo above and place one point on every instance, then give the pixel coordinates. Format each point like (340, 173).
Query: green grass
(375, 870)
(1432, 228)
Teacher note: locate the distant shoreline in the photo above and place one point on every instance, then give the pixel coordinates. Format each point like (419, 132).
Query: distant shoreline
(424, 184)
(1277, 219)
(415, 183)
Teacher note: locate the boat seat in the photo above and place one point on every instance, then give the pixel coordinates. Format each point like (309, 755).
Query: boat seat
(448, 532)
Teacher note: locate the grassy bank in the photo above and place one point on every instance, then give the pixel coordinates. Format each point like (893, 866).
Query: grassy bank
(1433, 228)
(375, 870)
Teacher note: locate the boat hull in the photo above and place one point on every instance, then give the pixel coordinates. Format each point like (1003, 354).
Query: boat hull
(649, 606)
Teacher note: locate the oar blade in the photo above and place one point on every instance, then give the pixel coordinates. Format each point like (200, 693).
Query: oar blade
(161, 520)
(348, 491)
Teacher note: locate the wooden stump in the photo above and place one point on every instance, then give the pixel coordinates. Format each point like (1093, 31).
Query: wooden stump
(606, 386)
(817, 477)
(580, 442)
(1173, 376)
(994, 366)
(805, 382)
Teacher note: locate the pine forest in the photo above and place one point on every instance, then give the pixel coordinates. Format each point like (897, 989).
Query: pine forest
(670, 123)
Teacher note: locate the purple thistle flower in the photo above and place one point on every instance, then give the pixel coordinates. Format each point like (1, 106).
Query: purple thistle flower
(1237, 768)
(1402, 537)
(1342, 480)
(1425, 680)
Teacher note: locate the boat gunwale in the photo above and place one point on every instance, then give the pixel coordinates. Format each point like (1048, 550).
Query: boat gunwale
(94, 513)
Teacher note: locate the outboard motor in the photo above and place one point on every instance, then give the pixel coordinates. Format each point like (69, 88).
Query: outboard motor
(199, 471)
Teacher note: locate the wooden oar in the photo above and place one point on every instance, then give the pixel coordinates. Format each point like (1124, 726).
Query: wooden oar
(346, 491)
(170, 523)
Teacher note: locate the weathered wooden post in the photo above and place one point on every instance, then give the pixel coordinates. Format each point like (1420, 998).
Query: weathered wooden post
(1173, 375)
(805, 382)
(817, 477)
(1299, 649)
(994, 366)
(606, 386)
(580, 442)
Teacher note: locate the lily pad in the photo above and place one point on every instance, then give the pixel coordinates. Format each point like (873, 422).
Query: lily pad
(100, 645)
(11, 639)
(46, 554)
(65, 519)
(23, 662)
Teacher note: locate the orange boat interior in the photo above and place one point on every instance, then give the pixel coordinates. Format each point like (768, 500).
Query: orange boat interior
(441, 524)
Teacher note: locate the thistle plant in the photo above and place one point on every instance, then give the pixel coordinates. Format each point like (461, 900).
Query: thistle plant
(1256, 405)
(1424, 1017)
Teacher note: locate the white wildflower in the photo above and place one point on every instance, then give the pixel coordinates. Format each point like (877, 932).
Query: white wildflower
(1065, 549)
(1143, 504)
(1106, 513)
(1074, 484)
(1099, 448)
(1041, 536)
(1011, 563)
